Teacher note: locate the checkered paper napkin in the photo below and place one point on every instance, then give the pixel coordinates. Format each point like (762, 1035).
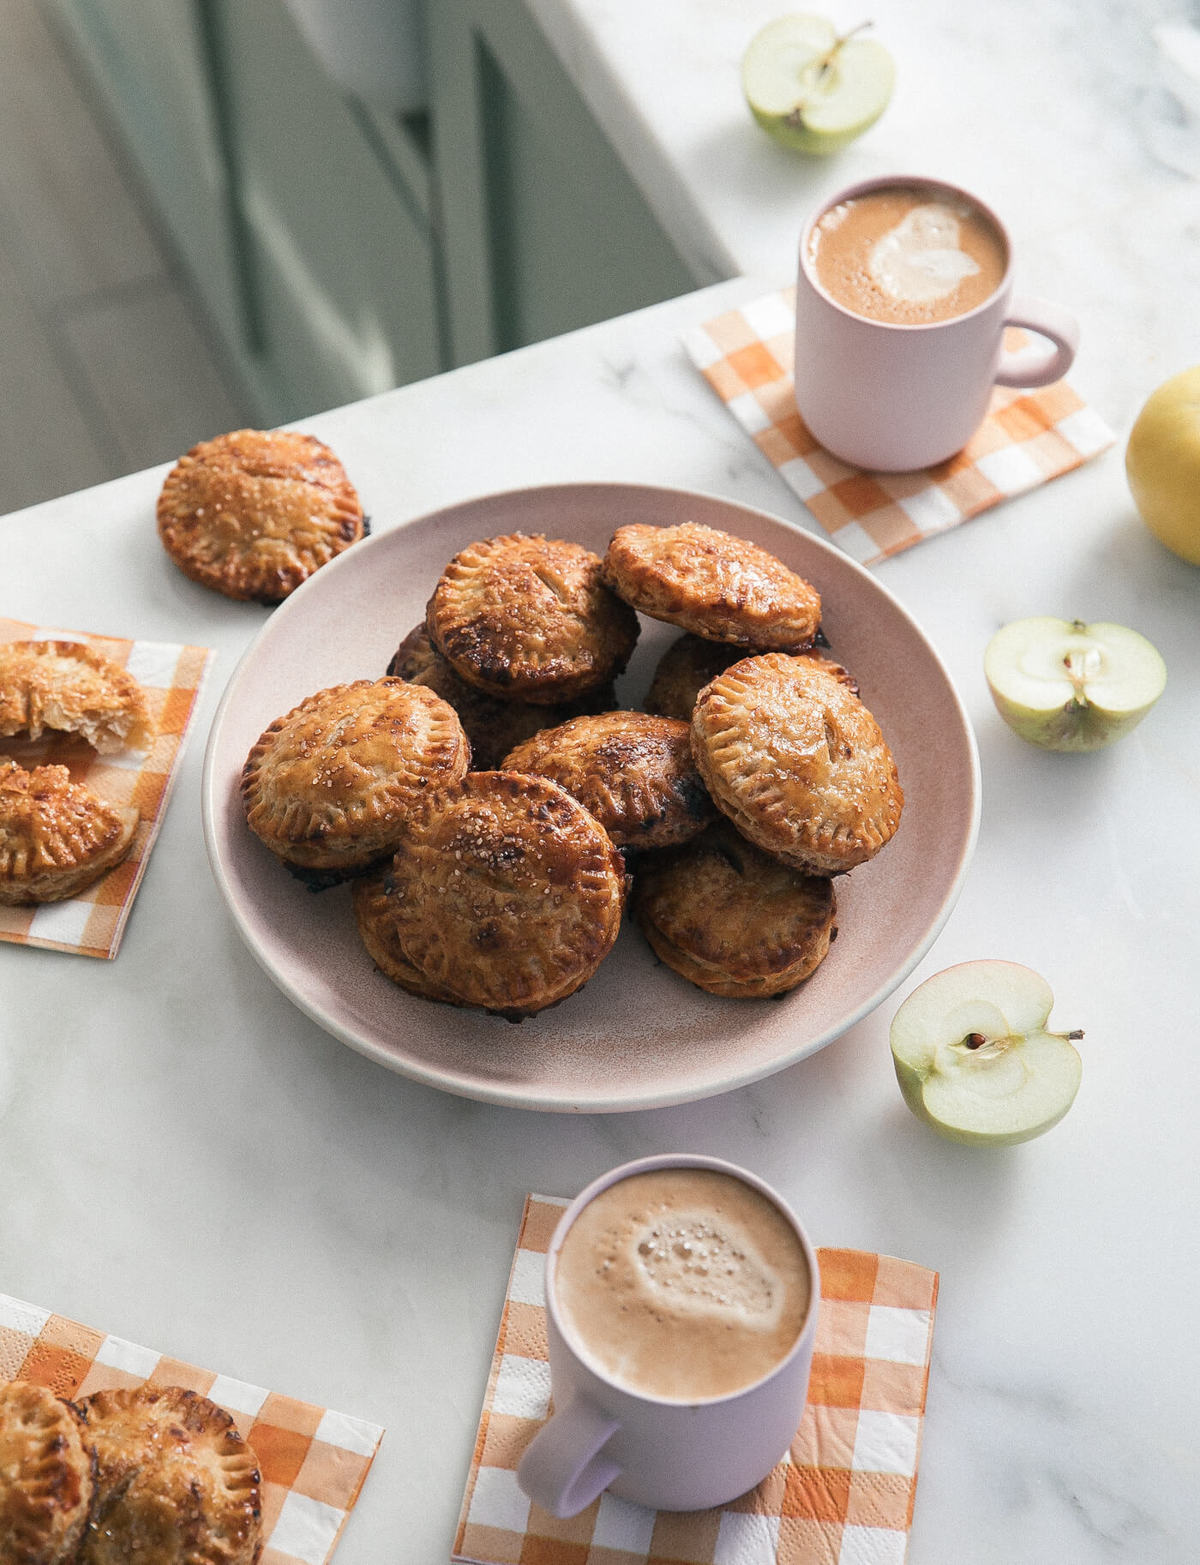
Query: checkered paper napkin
(313, 1462)
(93, 922)
(1027, 438)
(842, 1495)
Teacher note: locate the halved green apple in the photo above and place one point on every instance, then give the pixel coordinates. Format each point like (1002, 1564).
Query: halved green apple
(813, 89)
(974, 1057)
(1066, 685)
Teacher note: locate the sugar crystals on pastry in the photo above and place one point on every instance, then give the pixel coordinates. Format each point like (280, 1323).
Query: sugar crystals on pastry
(327, 786)
(714, 584)
(176, 1483)
(46, 1477)
(69, 687)
(56, 836)
(254, 513)
(792, 756)
(530, 618)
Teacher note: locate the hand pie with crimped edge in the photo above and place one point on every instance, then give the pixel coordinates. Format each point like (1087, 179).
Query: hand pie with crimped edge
(715, 585)
(176, 1484)
(732, 919)
(47, 1480)
(530, 618)
(327, 786)
(507, 892)
(492, 724)
(796, 761)
(374, 917)
(56, 836)
(690, 662)
(254, 513)
(70, 687)
(634, 772)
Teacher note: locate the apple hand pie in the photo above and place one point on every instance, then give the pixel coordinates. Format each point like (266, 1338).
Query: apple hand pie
(47, 1477)
(327, 786)
(715, 585)
(70, 687)
(690, 662)
(530, 618)
(56, 836)
(254, 513)
(373, 917)
(797, 763)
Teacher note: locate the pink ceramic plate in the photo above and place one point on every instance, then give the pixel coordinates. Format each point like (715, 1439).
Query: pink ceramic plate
(637, 1036)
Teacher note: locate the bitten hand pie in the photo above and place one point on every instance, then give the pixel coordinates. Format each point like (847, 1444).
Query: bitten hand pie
(327, 786)
(506, 892)
(713, 584)
(176, 1483)
(796, 761)
(732, 919)
(70, 687)
(254, 513)
(56, 836)
(46, 1477)
(634, 772)
(530, 618)
(690, 662)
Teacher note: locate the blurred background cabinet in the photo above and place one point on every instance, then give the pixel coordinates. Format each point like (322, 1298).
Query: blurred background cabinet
(345, 237)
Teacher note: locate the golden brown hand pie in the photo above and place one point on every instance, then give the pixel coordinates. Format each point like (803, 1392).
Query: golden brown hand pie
(713, 584)
(634, 772)
(327, 785)
(374, 918)
(796, 761)
(68, 686)
(46, 1477)
(56, 836)
(690, 662)
(733, 919)
(254, 513)
(530, 618)
(493, 725)
(176, 1483)
(507, 892)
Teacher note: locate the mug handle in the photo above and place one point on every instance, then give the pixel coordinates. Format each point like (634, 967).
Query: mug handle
(564, 1468)
(1033, 365)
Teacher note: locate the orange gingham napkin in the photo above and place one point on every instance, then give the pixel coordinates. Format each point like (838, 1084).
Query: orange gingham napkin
(843, 1494)
(93, 922)
(1027, 438)
(313, 1462)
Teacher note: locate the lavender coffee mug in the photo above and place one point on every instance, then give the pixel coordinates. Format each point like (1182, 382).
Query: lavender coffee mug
(681, 1309)
(903, 295)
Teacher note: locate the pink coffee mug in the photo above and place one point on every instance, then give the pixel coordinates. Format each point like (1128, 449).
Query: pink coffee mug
(669, 1455)
(892, 398)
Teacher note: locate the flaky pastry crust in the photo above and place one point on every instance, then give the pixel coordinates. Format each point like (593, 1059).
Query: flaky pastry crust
(732, 919)
(507, 892)
(374, 917)
(530, 618)
(254, 513)
(176, 1483)
(70, 687)
(797, 762)
(56, 836)
(635, 773)
(46, 1477)
(690, 662)
(327, 785)
(714, 584)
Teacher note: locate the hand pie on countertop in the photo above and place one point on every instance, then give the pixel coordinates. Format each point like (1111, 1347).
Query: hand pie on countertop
(56, 836)
(327, 786)
(715, 585)
(71, 688)
(254, 513)
(796, 761)
(47, 1481)
(690, 662)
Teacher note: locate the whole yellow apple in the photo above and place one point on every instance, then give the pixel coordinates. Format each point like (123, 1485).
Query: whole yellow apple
(1162, 463)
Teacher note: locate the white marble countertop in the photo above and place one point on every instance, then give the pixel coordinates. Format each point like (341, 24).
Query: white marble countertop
(192, 1164)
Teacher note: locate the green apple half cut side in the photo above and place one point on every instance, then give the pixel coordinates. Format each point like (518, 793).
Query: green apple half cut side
(1066, 685)
(975, 1060)
(811, 89)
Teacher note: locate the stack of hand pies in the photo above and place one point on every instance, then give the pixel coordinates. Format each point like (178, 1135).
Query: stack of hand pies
(494, 806)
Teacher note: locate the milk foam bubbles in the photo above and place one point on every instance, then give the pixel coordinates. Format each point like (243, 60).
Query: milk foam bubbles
(694, 1263)
(921, 258)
